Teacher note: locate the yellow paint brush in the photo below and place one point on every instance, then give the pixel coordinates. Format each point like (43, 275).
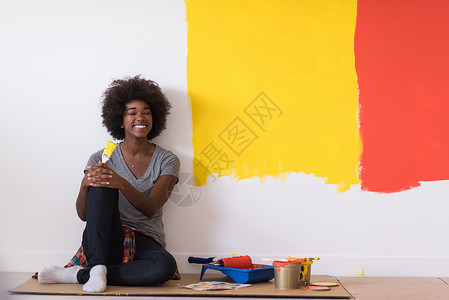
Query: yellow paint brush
(107, 152)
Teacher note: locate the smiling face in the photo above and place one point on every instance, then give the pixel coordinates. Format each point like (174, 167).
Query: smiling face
(137, 119)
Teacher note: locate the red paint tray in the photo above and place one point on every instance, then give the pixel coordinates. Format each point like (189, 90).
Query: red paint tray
(256, 273)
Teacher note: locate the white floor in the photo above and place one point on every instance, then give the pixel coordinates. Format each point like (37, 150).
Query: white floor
(11, 280)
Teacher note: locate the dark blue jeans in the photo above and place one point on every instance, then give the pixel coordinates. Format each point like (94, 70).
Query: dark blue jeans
(103, 245)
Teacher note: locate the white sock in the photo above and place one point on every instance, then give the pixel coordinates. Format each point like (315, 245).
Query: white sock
(97, 280)
(55, 274)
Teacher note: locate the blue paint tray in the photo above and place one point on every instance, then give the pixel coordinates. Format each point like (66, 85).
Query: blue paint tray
(256, 273)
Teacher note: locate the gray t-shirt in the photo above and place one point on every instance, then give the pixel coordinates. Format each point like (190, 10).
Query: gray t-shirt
(163, 162)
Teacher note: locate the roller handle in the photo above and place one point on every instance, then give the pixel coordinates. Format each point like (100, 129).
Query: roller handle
(200, 260)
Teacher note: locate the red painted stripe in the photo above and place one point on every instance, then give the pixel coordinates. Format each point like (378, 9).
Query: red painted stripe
(402, 63)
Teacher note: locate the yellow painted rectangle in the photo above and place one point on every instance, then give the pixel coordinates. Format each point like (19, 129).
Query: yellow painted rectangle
(273, 89)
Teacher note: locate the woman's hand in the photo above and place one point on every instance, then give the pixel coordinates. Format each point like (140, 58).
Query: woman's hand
(100, 175)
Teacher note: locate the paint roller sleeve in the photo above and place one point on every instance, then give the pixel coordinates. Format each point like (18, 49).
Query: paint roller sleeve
(236, 262)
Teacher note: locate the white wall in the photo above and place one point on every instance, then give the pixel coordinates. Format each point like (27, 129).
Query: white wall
(56, 59)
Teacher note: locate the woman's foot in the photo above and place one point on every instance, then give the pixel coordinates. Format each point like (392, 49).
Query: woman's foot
(55, 274)
(97, 280)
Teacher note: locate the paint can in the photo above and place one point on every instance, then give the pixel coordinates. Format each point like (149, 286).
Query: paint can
(287, 275)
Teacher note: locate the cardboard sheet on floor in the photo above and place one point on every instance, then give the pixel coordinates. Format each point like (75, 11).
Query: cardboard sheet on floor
(397, 288)
(174, 288)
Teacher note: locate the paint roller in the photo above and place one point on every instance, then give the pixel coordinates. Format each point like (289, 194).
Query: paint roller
(239, 262)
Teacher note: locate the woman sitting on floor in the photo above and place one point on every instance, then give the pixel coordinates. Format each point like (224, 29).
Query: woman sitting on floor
(122, 200)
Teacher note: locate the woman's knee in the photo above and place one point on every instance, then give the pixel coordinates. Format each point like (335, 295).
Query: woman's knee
(102, 201)
(171, 265)
(102, 193)
(165, 269)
